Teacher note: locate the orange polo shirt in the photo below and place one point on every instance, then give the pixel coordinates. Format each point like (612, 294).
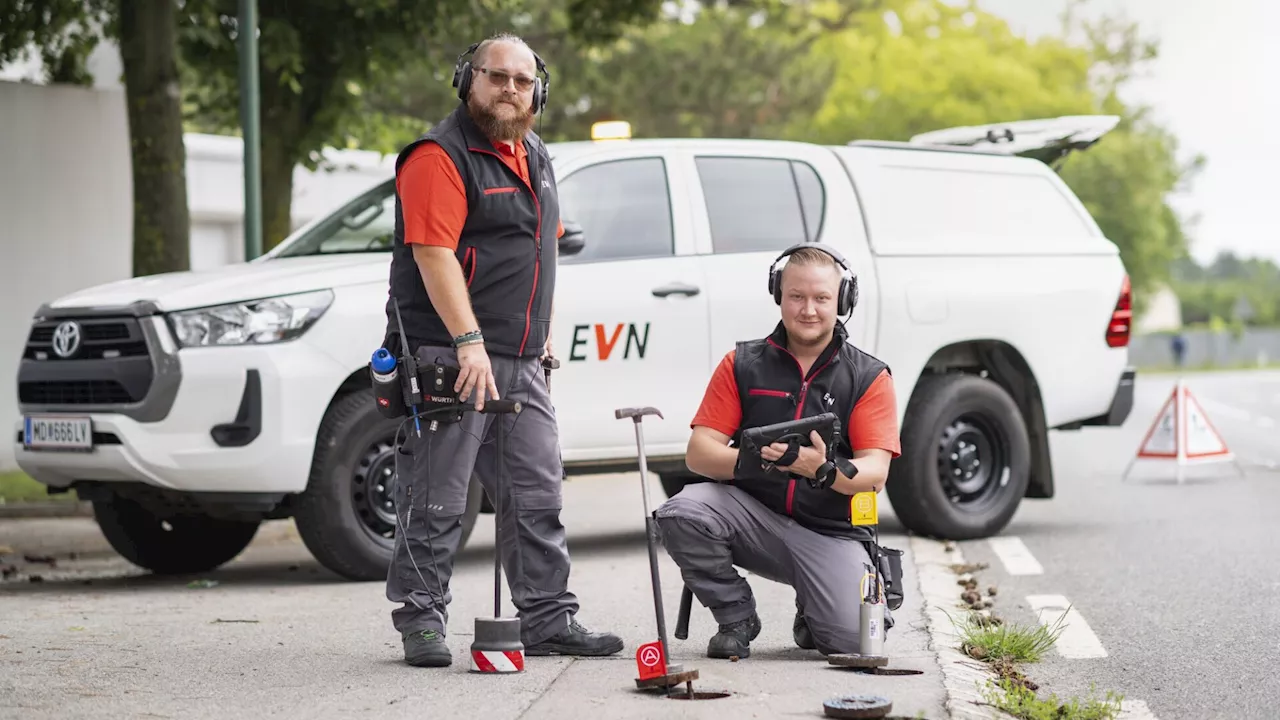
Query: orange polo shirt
(872, 424)
(433, 199)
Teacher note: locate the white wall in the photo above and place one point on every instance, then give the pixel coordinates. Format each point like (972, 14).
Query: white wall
(66, 204)
(65, 200)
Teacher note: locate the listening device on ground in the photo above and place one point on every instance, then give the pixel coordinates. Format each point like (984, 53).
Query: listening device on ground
(795, 433)
(847, 296)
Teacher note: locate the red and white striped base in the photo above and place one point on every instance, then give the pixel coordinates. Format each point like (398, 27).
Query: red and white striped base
(497, 661)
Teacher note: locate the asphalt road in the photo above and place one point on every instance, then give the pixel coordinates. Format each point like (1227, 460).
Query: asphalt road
(278, 636)
(1172, 589)
(1178, 585)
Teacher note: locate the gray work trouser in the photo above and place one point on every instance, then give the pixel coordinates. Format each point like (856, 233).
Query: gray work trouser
(708, 528)
(431, 502)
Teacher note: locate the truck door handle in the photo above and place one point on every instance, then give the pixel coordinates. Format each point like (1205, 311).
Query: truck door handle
(676, 289)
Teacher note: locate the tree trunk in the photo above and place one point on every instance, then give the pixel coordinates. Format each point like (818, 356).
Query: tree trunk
(277, 187)
(161, 219)
(282, 126)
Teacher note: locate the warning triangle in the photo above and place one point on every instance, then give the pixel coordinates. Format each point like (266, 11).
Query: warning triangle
(1202, 438)
(1162, 438)
(1182, 432)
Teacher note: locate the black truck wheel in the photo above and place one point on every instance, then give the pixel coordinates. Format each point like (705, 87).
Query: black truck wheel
(346, 517)
(170, 545)
(966, 459)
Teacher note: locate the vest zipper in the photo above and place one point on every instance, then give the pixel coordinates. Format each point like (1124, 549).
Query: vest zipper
(804, 389)
(537, 248)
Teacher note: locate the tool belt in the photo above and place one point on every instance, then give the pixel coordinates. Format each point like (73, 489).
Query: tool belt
(889, 565)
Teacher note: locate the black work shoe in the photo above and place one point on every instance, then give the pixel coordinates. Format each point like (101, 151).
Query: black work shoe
(734, 639)
(800, 633)
(427, 649)
(577, 640)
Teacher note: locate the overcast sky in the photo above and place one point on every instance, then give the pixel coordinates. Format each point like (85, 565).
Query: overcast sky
(1216, 85)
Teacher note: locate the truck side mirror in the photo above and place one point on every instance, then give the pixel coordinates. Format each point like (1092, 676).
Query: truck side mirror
(573, 239)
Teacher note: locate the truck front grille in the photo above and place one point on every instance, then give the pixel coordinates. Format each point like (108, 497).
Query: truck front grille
(85, 339)
(85, 361)
(74, 392)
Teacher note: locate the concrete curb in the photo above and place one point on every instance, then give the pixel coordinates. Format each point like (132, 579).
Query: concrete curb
(46, 509)
(963, 678)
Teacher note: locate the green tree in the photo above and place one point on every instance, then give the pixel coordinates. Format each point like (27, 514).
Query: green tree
(64, 33)
(931, 64)
(319, 58)
(723, 69)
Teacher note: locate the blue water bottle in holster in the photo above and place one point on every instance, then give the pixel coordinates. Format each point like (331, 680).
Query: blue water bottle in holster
(386, 384)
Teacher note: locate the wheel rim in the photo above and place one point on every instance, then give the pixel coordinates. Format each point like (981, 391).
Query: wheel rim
(973, 461)
(373, 490)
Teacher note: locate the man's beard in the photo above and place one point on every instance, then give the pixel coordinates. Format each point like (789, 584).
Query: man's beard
(499, 128)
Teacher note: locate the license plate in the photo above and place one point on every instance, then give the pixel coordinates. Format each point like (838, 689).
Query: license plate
(57, 432)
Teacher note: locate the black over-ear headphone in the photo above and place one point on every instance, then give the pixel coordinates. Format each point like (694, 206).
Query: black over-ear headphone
(848, 294)
(462, 79)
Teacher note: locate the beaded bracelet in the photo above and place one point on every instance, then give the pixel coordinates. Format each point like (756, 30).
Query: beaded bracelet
(471, 338)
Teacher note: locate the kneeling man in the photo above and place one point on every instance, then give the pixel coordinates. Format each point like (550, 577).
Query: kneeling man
(770, 521)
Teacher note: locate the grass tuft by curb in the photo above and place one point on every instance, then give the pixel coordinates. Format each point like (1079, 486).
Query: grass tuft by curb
(1004, 646)
(1024, 704)
(982, 639)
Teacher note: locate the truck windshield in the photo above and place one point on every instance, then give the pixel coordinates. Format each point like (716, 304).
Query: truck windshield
(364, 225)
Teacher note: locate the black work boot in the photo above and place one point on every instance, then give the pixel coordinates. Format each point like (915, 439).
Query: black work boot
(426, 648)
(800, 632)
(734, 639)
(577, 640)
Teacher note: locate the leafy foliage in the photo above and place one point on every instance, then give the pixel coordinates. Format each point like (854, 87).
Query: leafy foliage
(318, 59)
(1231, 289)
(62, 32)
(832, 71)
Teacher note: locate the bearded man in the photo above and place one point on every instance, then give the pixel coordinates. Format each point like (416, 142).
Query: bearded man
(473, 275)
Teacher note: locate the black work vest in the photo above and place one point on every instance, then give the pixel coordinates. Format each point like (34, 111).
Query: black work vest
(507, 248)
(772, 390)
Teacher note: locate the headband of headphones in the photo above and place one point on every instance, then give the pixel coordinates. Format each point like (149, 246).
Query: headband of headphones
(847, 298)
(462, 78)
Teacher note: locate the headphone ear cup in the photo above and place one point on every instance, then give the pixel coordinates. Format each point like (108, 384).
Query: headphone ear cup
(775, 289)
(462, 81)
(538, 100)
(851, 294)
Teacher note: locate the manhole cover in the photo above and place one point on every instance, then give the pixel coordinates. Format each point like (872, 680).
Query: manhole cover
(699, 695)
(857, 706)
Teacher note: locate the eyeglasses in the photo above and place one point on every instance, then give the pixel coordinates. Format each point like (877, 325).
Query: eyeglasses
(500, 78)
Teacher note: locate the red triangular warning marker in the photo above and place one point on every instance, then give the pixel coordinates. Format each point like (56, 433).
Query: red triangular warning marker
(1182, 432)
(1200, 437)
(1161, 440)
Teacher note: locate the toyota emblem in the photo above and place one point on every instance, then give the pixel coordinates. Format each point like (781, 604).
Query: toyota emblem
(66, 339)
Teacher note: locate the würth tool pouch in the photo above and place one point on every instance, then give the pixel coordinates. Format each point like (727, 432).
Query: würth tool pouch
(890, 562)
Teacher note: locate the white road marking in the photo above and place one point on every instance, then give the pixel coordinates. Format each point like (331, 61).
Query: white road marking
(1135, 710)
(1077, 640)
(1017, 559)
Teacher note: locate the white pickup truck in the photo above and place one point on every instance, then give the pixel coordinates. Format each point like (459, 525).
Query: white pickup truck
(189, 407)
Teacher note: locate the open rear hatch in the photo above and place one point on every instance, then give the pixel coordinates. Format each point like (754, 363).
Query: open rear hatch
(1048, 140)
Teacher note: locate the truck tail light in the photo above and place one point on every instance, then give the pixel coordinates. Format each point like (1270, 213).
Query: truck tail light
(1121, 317)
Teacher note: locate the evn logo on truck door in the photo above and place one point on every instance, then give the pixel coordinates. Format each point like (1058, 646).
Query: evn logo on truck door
(607, 339)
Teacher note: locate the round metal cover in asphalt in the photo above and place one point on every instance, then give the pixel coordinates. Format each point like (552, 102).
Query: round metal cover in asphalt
(857, 706)
(857, 661)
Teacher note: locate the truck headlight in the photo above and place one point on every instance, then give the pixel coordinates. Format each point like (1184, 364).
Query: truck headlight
(252, 322)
